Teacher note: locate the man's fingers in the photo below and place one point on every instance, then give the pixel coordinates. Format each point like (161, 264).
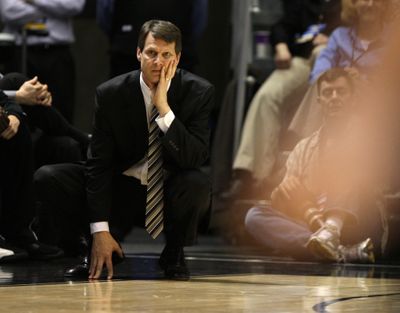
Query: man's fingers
(42, 94)
(284, 191)
(162, 76)
(93, 261)
(120, 252)
(290, 186)
(296, 185)
(8, 133)
(34, 80)
(170, 68)
(110, 268)
(47, 101)
(98, 268)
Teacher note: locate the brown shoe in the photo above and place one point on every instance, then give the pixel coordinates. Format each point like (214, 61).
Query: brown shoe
(325, 247)
(361, 252)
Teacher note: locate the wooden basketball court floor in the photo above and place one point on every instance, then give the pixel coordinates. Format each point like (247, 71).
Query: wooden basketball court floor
(224, 279)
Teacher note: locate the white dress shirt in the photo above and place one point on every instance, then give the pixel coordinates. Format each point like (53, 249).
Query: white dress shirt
(139, 170)
(55, 14)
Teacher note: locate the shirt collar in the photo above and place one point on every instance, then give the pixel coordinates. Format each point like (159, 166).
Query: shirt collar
(146, 89)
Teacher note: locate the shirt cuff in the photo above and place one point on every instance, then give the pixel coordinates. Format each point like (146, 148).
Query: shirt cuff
(165, 122)
(98, 227)
(10, 93)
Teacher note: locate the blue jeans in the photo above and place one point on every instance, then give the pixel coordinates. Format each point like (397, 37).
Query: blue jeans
(278, 231)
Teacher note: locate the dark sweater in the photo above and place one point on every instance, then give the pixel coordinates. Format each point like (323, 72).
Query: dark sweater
(298, 16)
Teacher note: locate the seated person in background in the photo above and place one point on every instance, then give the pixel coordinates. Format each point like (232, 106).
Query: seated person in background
(150, 137)
(298, 38)
(325, 200)
(55, 139)
(358, 47)
(49, 54)
(17, 240)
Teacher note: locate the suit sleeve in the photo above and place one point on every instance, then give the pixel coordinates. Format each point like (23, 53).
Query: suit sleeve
(99, 166)
(18, 12)
(60, 8)
(10, 106)
(187, 142)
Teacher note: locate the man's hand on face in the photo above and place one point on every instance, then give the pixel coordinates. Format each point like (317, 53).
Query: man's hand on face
(12, 128)
(32, 92)
(102, 249)
(160, 99)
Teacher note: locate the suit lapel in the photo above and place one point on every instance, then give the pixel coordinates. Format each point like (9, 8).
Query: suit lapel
(135, 111)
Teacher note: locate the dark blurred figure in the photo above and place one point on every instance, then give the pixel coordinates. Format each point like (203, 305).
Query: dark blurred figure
(17, 240)
(49, 35)
(121, 21)
(55, 140)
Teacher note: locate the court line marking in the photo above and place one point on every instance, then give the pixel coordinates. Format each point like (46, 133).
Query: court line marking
(321, 307)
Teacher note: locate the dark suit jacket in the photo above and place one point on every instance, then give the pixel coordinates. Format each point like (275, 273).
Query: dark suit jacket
(10, 106)
(120, 134)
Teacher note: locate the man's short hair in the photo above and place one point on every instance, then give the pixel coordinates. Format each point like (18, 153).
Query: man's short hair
(160, 29)
(334, 74)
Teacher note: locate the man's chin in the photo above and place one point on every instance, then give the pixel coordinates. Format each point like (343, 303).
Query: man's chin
(154, 81)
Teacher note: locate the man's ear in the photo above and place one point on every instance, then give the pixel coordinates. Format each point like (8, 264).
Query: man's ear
(178, 57)
(139, 54)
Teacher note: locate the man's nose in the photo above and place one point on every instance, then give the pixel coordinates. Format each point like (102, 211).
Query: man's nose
(159, 60)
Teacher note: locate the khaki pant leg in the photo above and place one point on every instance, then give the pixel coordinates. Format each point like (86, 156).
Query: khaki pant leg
(262, 127)
(308, 117)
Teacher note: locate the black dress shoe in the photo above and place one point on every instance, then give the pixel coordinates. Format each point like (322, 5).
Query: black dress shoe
(79, 271)
(172, 261)
(40, 251)
(27, 240)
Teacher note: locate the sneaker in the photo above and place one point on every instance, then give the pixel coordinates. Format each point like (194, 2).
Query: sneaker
(5, 253)
(324, 243)
(361, 252)
(9, 253)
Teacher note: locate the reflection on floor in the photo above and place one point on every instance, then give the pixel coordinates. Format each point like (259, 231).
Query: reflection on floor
(222, 281)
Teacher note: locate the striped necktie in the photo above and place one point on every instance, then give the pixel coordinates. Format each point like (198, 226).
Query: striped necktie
(155, 201)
